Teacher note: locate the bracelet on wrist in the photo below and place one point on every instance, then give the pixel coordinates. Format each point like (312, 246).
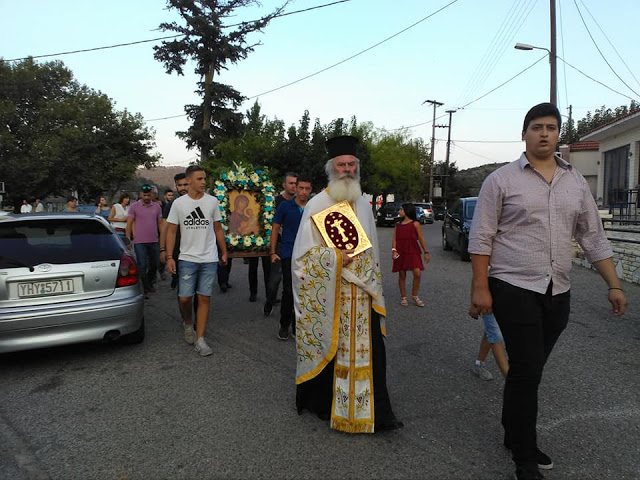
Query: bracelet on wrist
(616, 288)
(394, 250)
(169, 257)
(163, 249)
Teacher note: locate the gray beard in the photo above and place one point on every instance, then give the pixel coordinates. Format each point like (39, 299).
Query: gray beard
(344, 189)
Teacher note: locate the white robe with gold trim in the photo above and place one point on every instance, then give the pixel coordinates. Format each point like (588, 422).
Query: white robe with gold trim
(333, 314)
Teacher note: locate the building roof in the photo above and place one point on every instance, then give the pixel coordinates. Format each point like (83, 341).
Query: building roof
(615, 127)
(581, 146)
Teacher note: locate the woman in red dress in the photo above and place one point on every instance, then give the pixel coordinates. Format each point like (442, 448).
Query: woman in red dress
(406, 252)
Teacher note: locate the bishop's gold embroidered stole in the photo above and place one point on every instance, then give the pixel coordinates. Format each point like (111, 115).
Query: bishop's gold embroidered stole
(352, 409)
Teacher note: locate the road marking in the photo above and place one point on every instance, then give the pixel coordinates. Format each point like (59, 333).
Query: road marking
(26, 461)
(614, 413)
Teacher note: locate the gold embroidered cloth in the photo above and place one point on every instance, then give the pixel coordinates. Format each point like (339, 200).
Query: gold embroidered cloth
(333, 312)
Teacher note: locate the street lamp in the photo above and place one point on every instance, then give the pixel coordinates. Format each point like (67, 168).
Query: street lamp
(552, 64)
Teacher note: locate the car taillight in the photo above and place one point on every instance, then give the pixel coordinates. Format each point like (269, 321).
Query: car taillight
(128, 272)
(428, 210)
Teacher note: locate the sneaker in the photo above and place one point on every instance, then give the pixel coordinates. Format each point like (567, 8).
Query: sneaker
(544, 461)
(202, 348)
(189, 334)
(527, 473)
(481, 371)
(267, 309)
(283, 333)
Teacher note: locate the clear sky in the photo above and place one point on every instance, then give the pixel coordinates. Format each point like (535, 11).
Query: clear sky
(453, 57)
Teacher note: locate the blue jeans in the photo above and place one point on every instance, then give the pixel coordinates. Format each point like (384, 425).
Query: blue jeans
(196, 278)
(491, 328)
(148, 257)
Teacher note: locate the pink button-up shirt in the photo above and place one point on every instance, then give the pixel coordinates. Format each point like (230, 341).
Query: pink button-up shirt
(525, 225)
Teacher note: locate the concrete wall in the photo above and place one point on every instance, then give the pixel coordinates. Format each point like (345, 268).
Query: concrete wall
(586, 162)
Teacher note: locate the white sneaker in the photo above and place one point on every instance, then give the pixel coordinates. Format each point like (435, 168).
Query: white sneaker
(481, 371)
(189, 334)
(202, 348)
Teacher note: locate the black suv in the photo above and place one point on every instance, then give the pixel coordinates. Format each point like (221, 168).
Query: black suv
(389, 214)
(455, 229)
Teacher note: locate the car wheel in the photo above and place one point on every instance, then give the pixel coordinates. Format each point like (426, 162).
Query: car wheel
(464, 250)
(135, 337)
(445, 244)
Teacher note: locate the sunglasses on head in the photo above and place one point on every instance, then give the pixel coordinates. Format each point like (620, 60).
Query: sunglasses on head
(146, 188)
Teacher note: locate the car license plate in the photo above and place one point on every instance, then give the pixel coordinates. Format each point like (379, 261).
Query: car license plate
(42, 289)
(389, 217)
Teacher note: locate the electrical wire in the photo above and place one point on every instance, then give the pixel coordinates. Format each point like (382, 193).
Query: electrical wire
(487, 54)
(335, 64)
(473, 153)
(612, 46)
(511, 25)
(162, 38)
(356, 55)
(600, 51)
(597, 81)
(479, 98)
(504, 83)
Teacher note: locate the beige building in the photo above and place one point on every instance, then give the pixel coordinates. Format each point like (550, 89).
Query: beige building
(618, 163)
(585, 157)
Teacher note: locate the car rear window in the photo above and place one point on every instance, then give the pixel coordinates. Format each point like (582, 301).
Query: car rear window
(469, 208)
(56, 241)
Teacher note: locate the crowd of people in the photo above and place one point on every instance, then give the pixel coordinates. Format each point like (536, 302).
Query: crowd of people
(332, 302)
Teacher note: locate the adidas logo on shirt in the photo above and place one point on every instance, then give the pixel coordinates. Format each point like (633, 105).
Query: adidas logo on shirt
(196, 218)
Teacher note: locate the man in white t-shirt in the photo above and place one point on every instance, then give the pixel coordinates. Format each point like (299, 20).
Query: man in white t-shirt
(198, 215)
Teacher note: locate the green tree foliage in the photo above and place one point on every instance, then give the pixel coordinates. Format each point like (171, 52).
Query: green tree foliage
(212, 47)
(389, 162)
(571, 133)
(57, 135)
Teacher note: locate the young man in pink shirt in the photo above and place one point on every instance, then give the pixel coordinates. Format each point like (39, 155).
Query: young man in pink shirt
(144, 222)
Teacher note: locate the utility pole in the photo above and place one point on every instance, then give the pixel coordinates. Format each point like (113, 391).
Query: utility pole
(446, 168)
(553, 95)
(435, 104)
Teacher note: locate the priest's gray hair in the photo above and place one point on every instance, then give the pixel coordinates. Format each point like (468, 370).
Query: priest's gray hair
(328, 168)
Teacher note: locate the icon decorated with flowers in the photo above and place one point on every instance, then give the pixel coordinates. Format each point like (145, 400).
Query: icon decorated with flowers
(247, 206)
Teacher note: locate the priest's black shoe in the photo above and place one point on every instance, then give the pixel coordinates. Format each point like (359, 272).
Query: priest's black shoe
(389, 426)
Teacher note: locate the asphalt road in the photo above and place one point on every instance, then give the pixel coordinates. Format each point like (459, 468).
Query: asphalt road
(158, 410)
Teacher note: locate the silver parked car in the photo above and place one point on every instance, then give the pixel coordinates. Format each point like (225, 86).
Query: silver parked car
(66, 278)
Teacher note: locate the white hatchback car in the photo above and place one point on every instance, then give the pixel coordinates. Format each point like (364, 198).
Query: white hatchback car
(66, 278)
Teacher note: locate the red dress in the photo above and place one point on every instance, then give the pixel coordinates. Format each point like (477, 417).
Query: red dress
(408, 248)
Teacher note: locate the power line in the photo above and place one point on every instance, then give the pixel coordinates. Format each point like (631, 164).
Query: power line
(510, 26)
(357, 54)
(597, 81)
(600, 51)
(612, 46)
(162, 38)
(479, 98)
(335, 64)
(504, 83)
(473, 153)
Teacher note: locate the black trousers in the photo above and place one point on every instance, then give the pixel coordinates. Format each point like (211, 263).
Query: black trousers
(275, 277)
(223, 272)
(287, 316)
(253, 273)
(531, 323)
(316, 394)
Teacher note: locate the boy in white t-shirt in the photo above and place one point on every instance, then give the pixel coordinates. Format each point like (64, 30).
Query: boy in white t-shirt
(198, 215)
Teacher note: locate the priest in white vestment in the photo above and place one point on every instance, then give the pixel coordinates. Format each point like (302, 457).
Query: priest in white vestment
(340, 310)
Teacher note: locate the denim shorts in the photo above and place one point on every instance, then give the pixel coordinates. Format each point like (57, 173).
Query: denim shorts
(491, 328)
(196, 278)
